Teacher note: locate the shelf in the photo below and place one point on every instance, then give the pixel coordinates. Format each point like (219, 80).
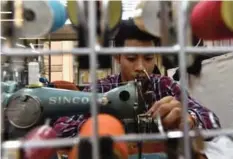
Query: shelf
(67, 33)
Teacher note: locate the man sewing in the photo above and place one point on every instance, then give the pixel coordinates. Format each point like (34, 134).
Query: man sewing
(167, 93)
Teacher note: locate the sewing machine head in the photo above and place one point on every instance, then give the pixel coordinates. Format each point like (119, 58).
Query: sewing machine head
(129, 103)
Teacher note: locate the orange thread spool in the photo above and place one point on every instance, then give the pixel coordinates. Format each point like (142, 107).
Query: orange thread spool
(65, 85)
(107, 126)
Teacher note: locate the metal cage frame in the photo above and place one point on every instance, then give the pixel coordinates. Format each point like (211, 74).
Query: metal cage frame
(92, 51)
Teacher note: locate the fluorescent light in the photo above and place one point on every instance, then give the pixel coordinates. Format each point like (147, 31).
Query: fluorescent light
(36, 38)
(20, 45)
(3, 38)
(33, 49)
(6, 12)
(32, 46)
(10, 20)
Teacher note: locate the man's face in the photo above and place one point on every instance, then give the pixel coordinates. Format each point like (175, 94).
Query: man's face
(136, 63)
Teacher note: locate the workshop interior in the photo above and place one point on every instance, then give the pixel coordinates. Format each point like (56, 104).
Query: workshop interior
(52, 50)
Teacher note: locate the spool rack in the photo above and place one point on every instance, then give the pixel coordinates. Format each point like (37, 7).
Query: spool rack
(92, 51)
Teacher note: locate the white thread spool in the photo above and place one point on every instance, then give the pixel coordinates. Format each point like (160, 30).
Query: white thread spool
(33, 73)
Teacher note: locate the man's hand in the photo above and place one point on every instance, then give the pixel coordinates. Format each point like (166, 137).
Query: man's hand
(170, 111)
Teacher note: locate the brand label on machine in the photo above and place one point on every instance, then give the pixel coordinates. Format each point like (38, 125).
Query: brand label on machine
(68, 100)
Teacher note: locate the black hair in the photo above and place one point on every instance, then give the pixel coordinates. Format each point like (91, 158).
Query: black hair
(128, 30)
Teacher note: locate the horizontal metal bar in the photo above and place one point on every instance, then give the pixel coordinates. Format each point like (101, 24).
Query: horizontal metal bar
(120, 50)
(166, 50)
(209, 50)
(142, 50)
(80, 51)
(129, 138)
(30, 52)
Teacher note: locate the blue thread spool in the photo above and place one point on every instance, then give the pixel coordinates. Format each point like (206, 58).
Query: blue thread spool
(59, 14)
(42, 17)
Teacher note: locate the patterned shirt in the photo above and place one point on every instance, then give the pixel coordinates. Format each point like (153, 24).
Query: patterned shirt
(162, 86)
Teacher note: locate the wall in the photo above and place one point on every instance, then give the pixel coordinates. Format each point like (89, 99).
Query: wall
(61, 65)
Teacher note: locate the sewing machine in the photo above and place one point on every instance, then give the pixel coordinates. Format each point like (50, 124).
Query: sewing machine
(31, 106)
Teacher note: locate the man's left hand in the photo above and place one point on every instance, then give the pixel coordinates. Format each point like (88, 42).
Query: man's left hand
(170, 111)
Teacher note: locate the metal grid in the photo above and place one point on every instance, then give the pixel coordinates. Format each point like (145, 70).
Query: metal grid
(92, 51)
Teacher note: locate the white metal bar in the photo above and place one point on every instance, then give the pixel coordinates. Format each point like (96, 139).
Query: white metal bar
(129, 138)
(136, 50)
(182, 11)
(1, 110)
(120, 50)
(93, 66)
(209, 50)
(29, 52)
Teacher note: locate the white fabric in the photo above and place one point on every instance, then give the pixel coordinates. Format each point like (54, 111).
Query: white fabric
(214, 88)
(219, 148)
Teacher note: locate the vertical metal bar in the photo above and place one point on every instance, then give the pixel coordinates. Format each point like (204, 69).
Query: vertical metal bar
(49, 62)
(164, 24)
(1, 110)
(93, 64)
(182, 19)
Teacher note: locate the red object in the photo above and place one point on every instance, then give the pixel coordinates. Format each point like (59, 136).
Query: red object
(41, 133)
(107, 126)
(65, 85)
(207, 23)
